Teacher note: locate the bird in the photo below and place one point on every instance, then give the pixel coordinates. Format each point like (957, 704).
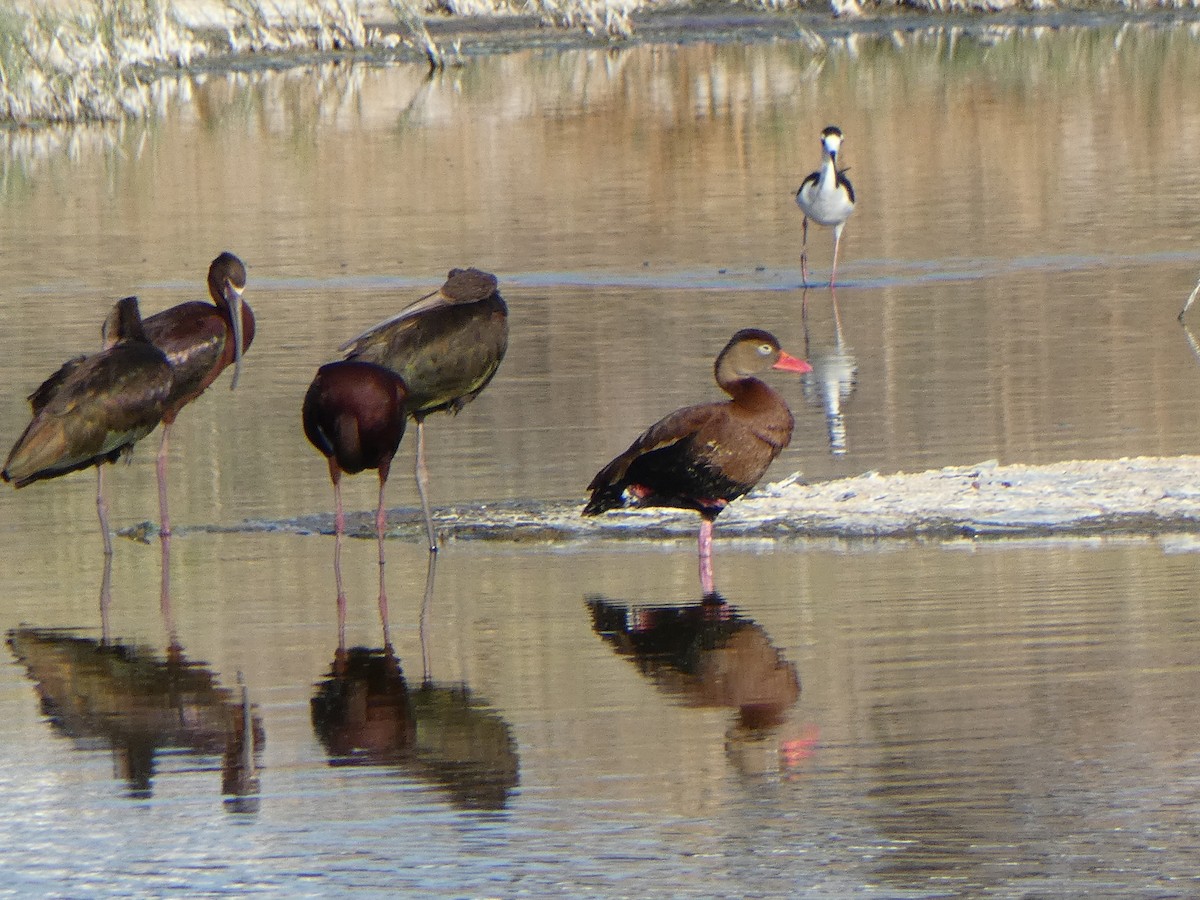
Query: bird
(703, 457)
(200, 341)
(1190, 300)
(94, 408)
(354, 413)
(446, 346)
(827, 197)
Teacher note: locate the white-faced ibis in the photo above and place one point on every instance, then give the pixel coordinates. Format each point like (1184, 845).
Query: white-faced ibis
(94, 408)
(201, 340)
(354, 413)
(446, 346)
(702, 457)
(827, 197)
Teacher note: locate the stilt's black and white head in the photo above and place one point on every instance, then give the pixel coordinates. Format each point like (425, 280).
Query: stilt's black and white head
(831, 140)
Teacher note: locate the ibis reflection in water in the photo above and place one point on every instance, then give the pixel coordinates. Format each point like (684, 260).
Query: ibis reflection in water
(365, 713)
(703, 457)
(95, 408)
(200, 341)
(141, 704)
(446, 347)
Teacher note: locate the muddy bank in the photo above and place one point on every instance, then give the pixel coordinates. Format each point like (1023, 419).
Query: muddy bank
(1135, 496)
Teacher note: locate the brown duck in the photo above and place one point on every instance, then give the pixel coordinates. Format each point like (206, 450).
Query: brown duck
(94, 408)
(446, 347)
(702, 457)
(200, 341)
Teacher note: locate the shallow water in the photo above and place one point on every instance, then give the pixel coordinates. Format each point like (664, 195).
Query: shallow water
(861, 718)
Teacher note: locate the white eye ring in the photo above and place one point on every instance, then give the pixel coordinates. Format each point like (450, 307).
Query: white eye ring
(765, 349)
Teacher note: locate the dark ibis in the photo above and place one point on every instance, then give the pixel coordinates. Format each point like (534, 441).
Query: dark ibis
(446, 346)
(94, 408)
(200, 341)
(704, 456)
(827, 197)
(354, 413)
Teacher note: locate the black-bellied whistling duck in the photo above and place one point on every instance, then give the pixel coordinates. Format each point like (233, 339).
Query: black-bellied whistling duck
(827, 197)
(94, 408)
(354, 413)
(446, 346)
(201, 340)
(702, 457)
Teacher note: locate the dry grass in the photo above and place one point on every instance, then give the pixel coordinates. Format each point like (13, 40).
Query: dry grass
(92, 61)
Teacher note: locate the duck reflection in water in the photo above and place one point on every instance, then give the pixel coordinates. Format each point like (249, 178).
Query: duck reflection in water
(365, 713)
(709, 655)
(833, 379)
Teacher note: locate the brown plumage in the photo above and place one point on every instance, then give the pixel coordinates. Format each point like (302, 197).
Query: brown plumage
(200, 341)
(702, 457)
(446, 347)
(354, 413)
(94, 408)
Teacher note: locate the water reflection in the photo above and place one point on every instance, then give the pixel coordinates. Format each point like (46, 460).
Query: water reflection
(833, 378)
(140, 702)
(365, 714)
(707, 654)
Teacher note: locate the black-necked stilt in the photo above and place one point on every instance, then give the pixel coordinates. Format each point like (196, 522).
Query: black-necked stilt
(827, 197)
(1190, 300)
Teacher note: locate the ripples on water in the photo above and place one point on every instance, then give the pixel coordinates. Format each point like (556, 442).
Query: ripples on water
(888, 719)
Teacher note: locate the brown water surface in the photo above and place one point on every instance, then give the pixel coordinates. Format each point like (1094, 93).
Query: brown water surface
(569, 719)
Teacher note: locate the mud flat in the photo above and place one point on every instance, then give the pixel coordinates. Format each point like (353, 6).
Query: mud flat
(1147, 496)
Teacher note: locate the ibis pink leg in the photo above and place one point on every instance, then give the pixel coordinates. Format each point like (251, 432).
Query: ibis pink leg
(380, 531)
(423, 485)
(164, 519)
(102, 511)
(339, 528)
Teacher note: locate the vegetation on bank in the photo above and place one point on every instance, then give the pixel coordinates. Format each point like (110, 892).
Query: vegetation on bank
(94, 60)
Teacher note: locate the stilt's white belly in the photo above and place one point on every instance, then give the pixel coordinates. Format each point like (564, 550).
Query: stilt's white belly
(828, 207)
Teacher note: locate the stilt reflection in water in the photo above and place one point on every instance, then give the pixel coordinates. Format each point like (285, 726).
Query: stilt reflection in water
(707, 654)
(833, 379)
(141, 703)
(365, 713)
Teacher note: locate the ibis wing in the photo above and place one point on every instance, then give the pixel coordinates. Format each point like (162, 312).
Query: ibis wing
(412, 311)
(47, 389)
